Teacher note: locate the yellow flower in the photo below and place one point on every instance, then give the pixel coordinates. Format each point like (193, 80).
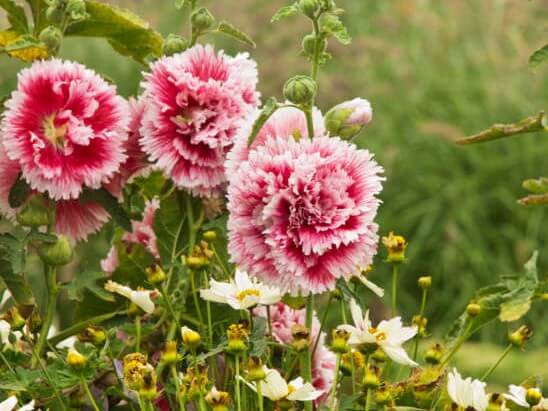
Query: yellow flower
(75, 359)
(395, 245)
(191, 339)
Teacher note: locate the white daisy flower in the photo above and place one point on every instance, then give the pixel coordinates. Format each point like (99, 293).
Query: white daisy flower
(141, 298)
(241, 293)
(467, 393)
(10, 404)
(275, 388)
(388, 335)
(518, 395)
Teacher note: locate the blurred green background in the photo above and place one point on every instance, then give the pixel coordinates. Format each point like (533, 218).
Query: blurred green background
(434, 70)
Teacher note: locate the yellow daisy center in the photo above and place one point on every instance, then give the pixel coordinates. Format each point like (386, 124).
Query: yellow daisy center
(379, 336)
(248, 292)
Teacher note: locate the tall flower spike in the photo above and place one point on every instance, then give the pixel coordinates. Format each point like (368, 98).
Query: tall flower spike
(141, 298)
(466, 393)
(241, 293)
(388, 335)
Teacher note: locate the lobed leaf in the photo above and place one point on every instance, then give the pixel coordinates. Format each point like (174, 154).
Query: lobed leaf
(286, 11)
(539, 56)
(232, 31)
(269, 108)
(12, 263)
(334, 27)
(16, 16)
(91, 281)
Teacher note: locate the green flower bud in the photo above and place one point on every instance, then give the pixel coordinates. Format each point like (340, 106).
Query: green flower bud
(383, 396)
(300, 90)
(76, 9)
(301, 337)
(519, 337)
(174, 44)
(34, 213)
(533, 396)
(371, 378)
(425, 282)
(347, 119)
(434, 354)
(210, 235)
(255, 369)
(155, 274)
(309, 44)
(34, 322)
(92, 334)
(51, 36)
(57, 253)
(309, 7)
(55, 11)
(378, 355)
(170, 354)
(202, 19)
(297, 303)
(473, 309)
(339, 341)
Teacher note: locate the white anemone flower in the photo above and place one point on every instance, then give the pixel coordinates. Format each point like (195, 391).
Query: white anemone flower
(467, 393)
(388, 335)
(241, 293)
(275, 388)
(518, 395)
(141, 298)
(10, 404)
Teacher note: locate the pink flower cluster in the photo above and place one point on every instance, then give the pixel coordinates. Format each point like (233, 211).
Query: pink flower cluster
(301, 210)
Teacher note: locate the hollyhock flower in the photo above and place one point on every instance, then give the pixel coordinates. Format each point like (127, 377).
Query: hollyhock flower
(241, 292)
(141, 298)
(196, 101)
(466, 393)
(73, 218)
(388, 335)
(65, 126)
(275, 388)
(301, 212)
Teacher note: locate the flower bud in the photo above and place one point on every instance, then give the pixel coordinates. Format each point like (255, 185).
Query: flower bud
(170, 355)
(301, 337)
(425, 282)
(473, 309)
(309, 7)
(58, 253)
(14, 319)
(148, 387)
(194, 262)
(434, 354)
(94, 335)
(339, 341)
(34, 321)
(352, 360)
(174, 44)
(383, 396)
(395, 245)
(379, 355)
(55, 11)
(300, 90)
(533, 396)
(255, 369)
(371, 378)
(496, 402)
(35, 213)
(155, 274)
(75, 359)
(218, 400)
(51, 36)
(519, 337)
(309, 45)
(420, 322)
(191, 339)
(238, 335)
(347, 119)
(76, 9)
(210, 235)
(202, 19)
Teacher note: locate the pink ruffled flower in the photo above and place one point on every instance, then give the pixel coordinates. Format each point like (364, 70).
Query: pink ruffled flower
(301, 213)
(65, 126)
(196, 100)
(72, 218)
(142, 233)
(282, 318)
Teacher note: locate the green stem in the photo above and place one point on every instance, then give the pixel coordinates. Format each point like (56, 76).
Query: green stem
(48, 378)
(237, 375)
(322, 324)
(309, 121)
(343, 311)
(89, 394)
(394, 287)
(177, 387)
(316, 57)
(461, 341)
(170, 308)
(76, 328)
(368, 399)
(53, 290)
(308, 353)
(421, 315)
(496, 364)
(195, 297)
(190, 219)
(260, 396)
(137, 333)
(335, 382)
(202, 404)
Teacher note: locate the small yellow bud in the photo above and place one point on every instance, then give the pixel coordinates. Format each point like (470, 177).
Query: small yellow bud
(195, 262)
(155, 274)
(218, 400)
(519, 337)
(395, 245)
(255, 369)
(170, 355)
(92, 334)
(420, 323)
(75, 359)
(425, 282)
(473, 309)
(301, 337)
(210, 235)
(339, 341)
(434, 354)
(383, 396)
(353, 360)
(371, 378)
(238, 335)
(191, 339)
(533, 396)
(14, 319)
(379, 355)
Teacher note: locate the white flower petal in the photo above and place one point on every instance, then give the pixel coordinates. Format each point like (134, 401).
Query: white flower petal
(372, 286)
(143, 301)
(517, 394)
(303, 391)
(357, 315)
(9, 404)
(242, 280)
(27, 407)
(399, 355)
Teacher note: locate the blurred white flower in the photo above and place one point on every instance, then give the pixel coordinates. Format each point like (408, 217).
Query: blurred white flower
(467, 393)
(516, 394)
(10, 404)
(275, 388)
(241, 293)
(141, 298)
(388, 335)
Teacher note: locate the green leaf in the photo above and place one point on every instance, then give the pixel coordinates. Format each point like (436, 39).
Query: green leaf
(286, 11)
(269, 108)
(347, 293)
(18, 192)
(12, 262)
(536, 186)
(110, 203)
(41, 237)
(170, 227)
(538, 56)
(38, 9)
(16, 16)
(126, 32)
(258, 337)
(232, 31)
(334, 27)
(88, 280)
(179, 4)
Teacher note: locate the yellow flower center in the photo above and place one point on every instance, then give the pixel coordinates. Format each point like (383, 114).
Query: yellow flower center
(379, 336)
(249, 292)
(55, 135)
(290, 389)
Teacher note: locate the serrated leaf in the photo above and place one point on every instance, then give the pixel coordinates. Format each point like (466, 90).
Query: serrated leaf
(16, 16)
(126, 32)
(334, 27)
(538, 57)
(232, 31)
(12, 262)
(269, 108)
(18, 192)
(258, 337)
(110, 204)
(91, 281)
(170, 226)
(286, 11)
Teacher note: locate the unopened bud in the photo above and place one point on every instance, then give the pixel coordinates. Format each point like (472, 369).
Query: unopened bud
(371, 378)
(309, 7)
(383, 396)
(434, 354)
(255, 369)
(339, 341)
(210, 235)
(34, 321)
(473, 309)
(148, 388)
(174, 44)
(94, 335)
(194, 262)
(420, 322)
(297, 303)
(519, 337)
(310, 42)
(379, 355)
(347, 119)
(58, 253)
(51, 36)
(55, 11)
(76, 9)
(238, 335)
(155, 274)
(191, 339)
(301, 337)
(202, 19)
(35, 213)
(14, 319)
(218, 400)
(533, 396)
(170, 355)
(75, 359)
(300, 90)
(395, 246)
(425, 282)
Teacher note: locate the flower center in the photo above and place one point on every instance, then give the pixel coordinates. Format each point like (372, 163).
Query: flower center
(249, 292)
(54, 134)
(379, 336)
(290, 389)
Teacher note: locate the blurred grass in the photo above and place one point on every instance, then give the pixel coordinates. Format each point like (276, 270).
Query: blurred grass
(433, 70)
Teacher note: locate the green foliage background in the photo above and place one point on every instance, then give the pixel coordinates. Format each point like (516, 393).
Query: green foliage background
(433, 71)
